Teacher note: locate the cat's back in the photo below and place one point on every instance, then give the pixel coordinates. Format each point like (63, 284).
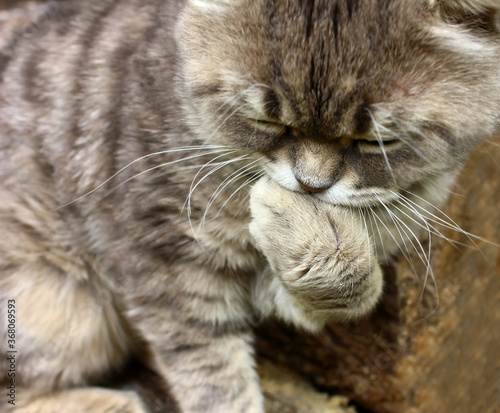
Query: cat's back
(69, 72)
(69, 77)
(55, 48)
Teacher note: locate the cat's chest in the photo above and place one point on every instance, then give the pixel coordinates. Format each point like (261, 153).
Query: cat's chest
(219, 228)
(227, 243)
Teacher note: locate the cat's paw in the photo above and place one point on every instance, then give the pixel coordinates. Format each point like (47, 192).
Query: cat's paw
(321, 253)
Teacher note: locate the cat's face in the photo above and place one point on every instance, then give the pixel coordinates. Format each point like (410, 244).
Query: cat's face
(351, 100)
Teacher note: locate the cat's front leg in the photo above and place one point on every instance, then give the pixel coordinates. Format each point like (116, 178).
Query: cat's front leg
(322, 264)
(210, 374)
(198, 333)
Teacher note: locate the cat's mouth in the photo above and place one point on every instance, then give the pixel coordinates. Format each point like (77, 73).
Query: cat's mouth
(369, 197)
(342, 194)
(348, 191)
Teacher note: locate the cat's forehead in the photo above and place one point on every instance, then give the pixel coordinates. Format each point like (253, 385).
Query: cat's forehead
(298, 22)
(324, 60)
(326, 36)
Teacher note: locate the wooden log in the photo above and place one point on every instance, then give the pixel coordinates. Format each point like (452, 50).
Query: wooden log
(432, 349)
(287, 392)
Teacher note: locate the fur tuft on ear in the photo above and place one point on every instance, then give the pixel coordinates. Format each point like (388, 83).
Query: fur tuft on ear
(209, 5)
(472, 6)
(479, 15)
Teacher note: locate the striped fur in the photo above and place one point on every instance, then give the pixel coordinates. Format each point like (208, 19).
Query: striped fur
(170, 170)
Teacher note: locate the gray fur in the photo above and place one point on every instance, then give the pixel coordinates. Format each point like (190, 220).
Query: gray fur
(185, 105)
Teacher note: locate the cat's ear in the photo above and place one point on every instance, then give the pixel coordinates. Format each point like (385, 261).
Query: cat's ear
(469, 5)
(483, 15)
(209, 5)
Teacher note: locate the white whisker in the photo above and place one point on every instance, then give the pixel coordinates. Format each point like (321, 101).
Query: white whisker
(250, 180)
(368, 240)
(429, 227)
(381, 144)
(174, 150)
(402, 132)
(372, 222)
(388, 231)
(418, 248)
(163, 165)
(195, 185)
(452, 225)
(244, 171)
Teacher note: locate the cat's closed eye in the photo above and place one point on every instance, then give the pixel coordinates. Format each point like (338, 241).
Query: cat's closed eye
(377, 143)
(277, 130)
(365, 141)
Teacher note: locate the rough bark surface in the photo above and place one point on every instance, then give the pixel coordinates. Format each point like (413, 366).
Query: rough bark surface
(432, 345)
(287, 392)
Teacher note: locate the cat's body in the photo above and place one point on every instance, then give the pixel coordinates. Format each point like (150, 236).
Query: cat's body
(175, 253)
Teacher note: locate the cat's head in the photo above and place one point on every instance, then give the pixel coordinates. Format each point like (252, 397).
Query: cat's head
(353, 100)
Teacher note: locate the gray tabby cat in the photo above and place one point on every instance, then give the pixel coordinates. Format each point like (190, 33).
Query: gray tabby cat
(265, 156)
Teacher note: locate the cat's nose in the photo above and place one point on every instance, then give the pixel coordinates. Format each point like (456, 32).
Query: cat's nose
(312, 189)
